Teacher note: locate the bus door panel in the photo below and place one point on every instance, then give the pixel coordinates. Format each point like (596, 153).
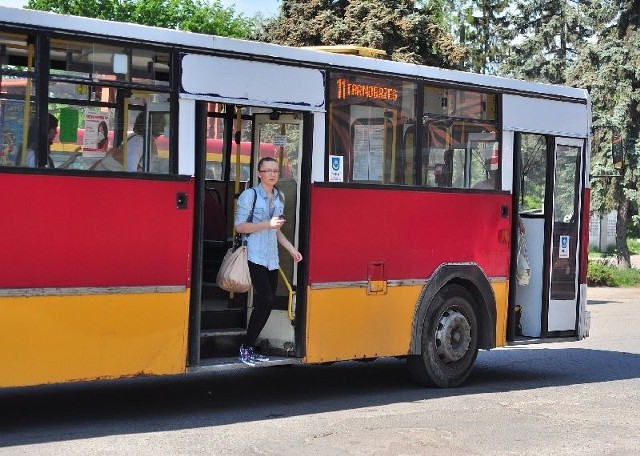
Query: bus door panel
(529, 297)
(549, 206)
(563, 280)
(279, 136)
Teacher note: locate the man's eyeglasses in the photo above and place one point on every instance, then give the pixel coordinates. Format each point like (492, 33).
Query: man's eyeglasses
(269, 171)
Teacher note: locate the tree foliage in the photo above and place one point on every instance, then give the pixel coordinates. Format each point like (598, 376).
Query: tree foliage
(590, 44)
(444, 14)
(485, 26)
(609, 67)
(190, 15)
(546, 36)
(480, 26)
(400, 27)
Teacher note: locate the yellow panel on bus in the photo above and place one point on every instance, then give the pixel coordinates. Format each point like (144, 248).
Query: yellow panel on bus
(501, 293)
(346, 323)
(51, 339)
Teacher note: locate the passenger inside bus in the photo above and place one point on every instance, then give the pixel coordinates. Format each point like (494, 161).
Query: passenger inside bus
(112, 161)
(135, 145)
(444, 172)
(32, 140)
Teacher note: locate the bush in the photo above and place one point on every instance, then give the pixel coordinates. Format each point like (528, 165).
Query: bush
(599, 275)
(605, 275)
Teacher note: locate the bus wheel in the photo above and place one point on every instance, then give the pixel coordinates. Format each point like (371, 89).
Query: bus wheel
(449, 344)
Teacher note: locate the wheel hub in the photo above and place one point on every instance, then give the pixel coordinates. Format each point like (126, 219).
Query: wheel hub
(453, 336)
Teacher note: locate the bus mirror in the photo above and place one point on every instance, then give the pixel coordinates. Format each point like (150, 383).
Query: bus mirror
(616, 151)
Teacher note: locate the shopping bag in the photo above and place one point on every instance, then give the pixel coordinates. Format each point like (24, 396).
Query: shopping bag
(234, 272)
(523, 272)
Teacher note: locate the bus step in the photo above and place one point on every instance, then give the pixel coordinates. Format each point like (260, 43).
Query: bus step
(211, 290)
(222, 332)
(216, 314)
(216, 343)
(232, 362)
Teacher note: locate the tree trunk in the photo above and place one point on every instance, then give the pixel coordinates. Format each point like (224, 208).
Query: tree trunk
(624, 260)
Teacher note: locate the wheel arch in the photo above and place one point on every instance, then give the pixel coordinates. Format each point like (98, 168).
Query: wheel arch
(471, 277)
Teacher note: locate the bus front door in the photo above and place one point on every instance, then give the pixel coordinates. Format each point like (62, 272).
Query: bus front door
(279, 135)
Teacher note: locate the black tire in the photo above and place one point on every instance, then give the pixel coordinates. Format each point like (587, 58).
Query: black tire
(449, 343)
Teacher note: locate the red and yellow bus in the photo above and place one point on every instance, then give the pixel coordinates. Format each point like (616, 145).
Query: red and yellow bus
(410, 192)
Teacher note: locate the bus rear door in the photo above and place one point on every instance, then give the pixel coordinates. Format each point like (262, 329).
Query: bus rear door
(550, 205)
(565, 240)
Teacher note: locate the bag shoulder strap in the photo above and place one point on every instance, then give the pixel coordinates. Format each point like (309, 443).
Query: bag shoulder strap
(253, 206)
(250, 219)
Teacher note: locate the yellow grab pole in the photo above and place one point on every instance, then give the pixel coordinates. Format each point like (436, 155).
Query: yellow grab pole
(290, 311)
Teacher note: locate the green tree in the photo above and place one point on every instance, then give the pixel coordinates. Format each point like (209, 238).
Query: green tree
(485, 24)
(190, 15)
(400, 27)
(449, 15)
(480, 26)
(609, 69)
(546, 36)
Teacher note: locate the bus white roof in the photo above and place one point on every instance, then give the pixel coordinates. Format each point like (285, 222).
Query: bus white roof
(193, 41)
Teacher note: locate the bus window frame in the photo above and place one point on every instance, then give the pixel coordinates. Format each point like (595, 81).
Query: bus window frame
(41, 78)
(399, 84)
(418, 129)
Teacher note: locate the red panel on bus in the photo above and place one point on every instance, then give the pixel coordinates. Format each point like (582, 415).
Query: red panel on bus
(411, 231)
(71, 231)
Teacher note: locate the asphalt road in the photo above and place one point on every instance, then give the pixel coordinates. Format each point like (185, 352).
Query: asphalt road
(579, 398)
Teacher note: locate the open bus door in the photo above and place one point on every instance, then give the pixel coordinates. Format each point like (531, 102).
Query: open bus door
(223, 316)
(565, 238)
(549, 305)
(279, 135)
